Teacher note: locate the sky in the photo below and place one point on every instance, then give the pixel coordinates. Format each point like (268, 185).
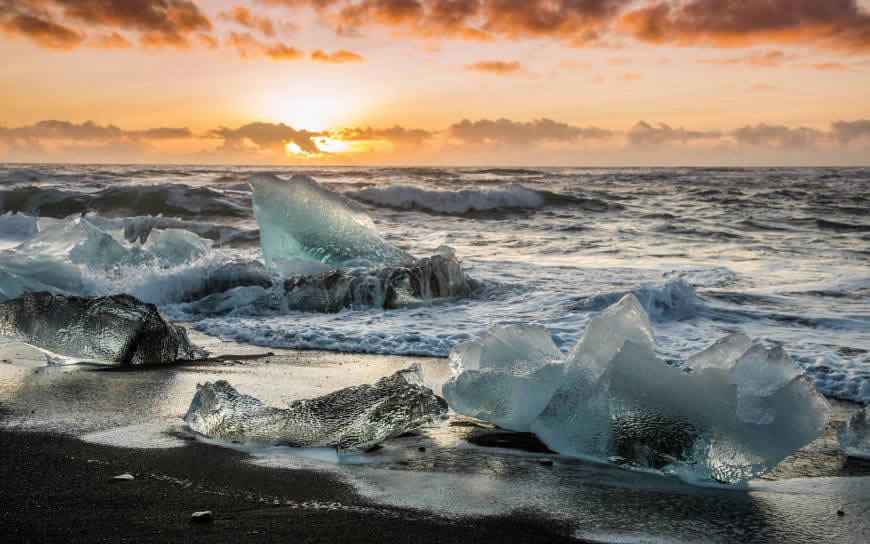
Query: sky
(436, 82)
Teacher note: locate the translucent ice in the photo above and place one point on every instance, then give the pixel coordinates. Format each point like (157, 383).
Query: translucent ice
(723, 353)
(119, 329)
(300, 219)
(16, 227)
(67, 256)
(854, 435)
(519, 349)
(355, 418)
(736, 414)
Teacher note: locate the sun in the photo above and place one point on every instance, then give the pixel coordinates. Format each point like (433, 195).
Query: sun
(314, 113)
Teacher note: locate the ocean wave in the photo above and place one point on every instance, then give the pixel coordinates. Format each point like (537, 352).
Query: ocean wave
(675, 300)
(513, 197)
(125, 201)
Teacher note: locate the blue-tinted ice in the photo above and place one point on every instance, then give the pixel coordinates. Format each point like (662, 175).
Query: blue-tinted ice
(302, 220)
(854, 436)
(739, 411)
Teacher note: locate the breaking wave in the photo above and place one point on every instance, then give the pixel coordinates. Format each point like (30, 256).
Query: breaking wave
(510, 197)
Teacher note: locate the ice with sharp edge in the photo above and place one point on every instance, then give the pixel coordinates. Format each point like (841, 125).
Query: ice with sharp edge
(350, 419)
(854, 435)
(737, 411)
(302, 220)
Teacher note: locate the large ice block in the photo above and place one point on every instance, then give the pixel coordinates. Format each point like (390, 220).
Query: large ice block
(354, 418)
(739, 411)
(119, 329)
(301, 219)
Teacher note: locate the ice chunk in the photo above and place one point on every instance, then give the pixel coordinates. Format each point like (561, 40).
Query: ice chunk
(355, 418)
(509, 400)
(723, 354)
(418, 282)
(300, 219)
(854, 435)
(97, 243)
(16, 227)
(119, 328)
(732, 418)
(518, 349)
(605, 334)
(760, 373)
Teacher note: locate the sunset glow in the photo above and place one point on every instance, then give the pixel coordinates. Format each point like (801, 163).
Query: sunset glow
(420, 81)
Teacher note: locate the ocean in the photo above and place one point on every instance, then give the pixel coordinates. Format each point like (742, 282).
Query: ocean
(781, 254)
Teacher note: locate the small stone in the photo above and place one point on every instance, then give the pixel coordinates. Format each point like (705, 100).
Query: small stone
(841, 513)
(126, 477)
(545, 462)
(202, 517)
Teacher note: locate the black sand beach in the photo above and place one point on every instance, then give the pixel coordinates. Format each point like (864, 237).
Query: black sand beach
(60, 488)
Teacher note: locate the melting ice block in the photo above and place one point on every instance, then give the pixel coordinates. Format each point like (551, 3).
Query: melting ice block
(119, 328)
(301, 219)
(355, 418)
(417, 282)
(854, 435)
(735, 415)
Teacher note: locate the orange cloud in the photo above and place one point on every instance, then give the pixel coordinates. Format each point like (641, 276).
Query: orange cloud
(395, 135)
(505, 131)
(339, 57)
(159, 23)
(273, 137)
(772, 58)
(496, 67)
(242, 16)
(645, 134)
(112, 41)
(831, 24)
(826, 66)
(43, 32)
(248, 48)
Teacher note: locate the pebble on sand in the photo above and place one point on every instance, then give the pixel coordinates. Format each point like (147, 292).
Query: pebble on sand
(202, 517)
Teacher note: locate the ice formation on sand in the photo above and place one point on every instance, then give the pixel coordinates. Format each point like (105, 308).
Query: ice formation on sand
(737, 412)
(119, 328)
(301, 219)
(354, 418)
(854, 435)
(415, 282)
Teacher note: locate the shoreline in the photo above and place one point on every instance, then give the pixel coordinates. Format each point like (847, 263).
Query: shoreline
(58, 486)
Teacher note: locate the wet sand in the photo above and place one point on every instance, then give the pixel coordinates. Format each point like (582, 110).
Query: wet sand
(462, 480)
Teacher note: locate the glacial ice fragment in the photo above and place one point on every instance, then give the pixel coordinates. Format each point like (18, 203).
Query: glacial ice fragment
(417, 282)
(519, 349)
(354, 418)
(722, 354)
(732, 418)
(854, 435)
(301, 219)
(119, 328)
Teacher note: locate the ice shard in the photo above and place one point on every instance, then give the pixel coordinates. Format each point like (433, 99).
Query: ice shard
(854, 435)
(119, 329)
(301, 219)
(351, 419)
(417, 282)
(734, 415)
